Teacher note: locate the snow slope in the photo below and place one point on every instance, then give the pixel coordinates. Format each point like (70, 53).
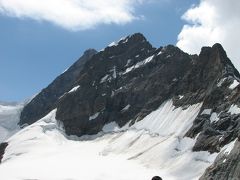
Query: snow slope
(9, 118)
(154, 146)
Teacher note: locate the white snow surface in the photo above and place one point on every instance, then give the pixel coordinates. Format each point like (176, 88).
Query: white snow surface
(9, 118)
(234, 109)
(153, 146)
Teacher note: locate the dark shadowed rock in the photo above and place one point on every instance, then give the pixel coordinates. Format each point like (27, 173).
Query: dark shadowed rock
(226, 166)
(136, 75)
(3, 146)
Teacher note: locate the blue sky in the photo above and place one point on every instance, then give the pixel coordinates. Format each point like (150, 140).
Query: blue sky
(33, 53)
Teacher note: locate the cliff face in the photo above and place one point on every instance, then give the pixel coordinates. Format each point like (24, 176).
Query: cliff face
(129, 79)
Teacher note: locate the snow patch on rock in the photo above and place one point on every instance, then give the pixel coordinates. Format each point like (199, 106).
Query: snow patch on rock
(234, 84)
(139, 64)
(74, 89)
(94, 116)
(234, 109)
(214, 117)
(206, 111)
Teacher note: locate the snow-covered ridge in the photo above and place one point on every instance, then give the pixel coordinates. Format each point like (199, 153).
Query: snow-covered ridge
(115, 43)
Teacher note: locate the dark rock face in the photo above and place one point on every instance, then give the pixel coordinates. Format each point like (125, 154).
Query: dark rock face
(226, 166)
(132, 74)
(129, 79)
(3, 146)
(47, 99)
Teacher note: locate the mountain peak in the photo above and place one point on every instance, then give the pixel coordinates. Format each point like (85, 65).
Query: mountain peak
(136, 38)
(217, 58)
(90, 52)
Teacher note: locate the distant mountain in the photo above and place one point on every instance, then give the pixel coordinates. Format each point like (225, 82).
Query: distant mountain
(179, 108)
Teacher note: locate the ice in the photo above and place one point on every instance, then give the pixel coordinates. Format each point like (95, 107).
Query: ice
(234, 109)
(74, 89)
(94, 116)
(206, 111)
(234, 84)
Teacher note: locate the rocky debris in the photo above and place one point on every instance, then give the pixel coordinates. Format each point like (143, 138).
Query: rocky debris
(226, 166)
(47, 99)
(3, 146)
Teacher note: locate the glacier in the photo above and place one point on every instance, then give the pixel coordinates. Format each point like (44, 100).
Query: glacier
(153, 146)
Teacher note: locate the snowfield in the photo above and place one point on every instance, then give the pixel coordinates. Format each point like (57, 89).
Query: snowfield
(154, 146)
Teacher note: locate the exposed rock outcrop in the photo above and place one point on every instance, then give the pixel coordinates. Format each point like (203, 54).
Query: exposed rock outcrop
(226, 166)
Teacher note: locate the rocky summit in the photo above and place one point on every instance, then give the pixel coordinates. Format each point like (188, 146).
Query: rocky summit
(130, 78)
